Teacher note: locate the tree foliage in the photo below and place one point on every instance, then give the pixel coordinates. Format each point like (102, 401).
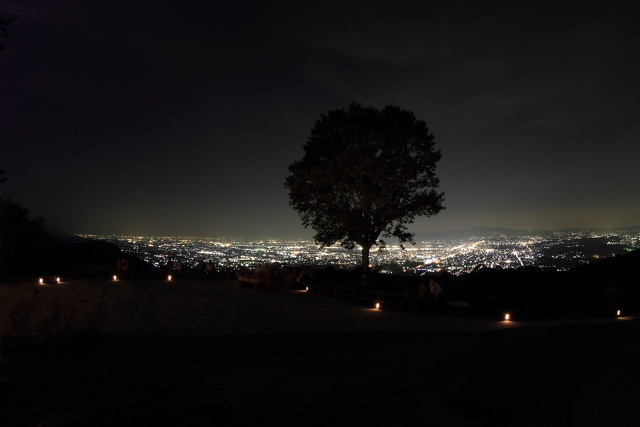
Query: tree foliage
(19, 235)
(4, 32)
(365, 173)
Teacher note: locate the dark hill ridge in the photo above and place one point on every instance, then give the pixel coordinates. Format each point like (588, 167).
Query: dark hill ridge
(88, 258)
(596, 289)
(491, 231)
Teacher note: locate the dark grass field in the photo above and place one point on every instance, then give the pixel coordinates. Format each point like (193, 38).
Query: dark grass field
(566, 375)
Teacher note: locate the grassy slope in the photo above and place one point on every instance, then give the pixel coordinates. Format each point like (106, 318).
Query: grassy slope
(569, 375)
(88, 367)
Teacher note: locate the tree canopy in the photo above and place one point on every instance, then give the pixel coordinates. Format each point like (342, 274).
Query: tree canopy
(19, 235)
(4, 32)
(365, 173)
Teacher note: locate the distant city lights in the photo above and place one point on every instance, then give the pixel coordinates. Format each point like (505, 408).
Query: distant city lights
(456, 254)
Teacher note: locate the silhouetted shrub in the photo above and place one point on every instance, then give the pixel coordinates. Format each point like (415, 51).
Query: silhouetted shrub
(19, 238)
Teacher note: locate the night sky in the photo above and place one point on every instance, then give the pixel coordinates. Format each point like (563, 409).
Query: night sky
(181, 117)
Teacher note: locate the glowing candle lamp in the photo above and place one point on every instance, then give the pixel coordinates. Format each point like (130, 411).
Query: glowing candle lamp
(115, 277)
(507, 316)
(169, 278)
(618, 313)
(57, 280)
(377, 306)
(41, 281)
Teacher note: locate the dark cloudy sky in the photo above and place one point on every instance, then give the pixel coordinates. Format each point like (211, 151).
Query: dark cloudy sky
(181, 117)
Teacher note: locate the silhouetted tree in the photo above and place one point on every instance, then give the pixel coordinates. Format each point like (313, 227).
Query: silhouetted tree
(19, 235)
(4, 32)
(365, 172)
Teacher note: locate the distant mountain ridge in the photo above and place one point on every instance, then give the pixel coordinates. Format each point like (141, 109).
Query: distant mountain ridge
(489, 231)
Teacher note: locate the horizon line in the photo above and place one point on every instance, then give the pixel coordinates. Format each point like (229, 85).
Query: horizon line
(450, 231)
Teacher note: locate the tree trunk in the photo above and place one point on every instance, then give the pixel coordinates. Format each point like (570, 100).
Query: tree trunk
(365, 265)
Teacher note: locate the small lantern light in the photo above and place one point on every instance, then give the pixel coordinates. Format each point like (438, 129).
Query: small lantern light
(618, 313)
(507, 317)
(57, 280)
(377, 306)
(115, 277)
(41, 281)
(306, 289)
(169, 278)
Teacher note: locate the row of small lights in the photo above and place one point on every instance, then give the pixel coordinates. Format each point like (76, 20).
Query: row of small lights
(115, 278)
(41, 280)
(507, 316)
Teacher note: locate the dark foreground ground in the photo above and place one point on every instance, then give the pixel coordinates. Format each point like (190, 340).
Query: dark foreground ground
(582, 374)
